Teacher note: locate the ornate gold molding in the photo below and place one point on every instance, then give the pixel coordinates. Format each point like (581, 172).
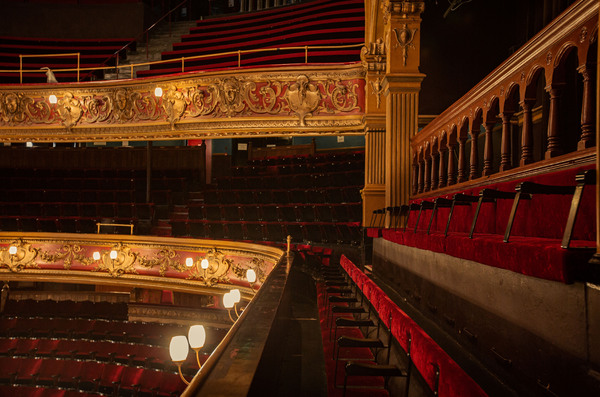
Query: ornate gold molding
(161, 261)
(314, 100)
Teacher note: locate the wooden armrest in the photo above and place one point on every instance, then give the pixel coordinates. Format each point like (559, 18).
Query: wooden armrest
(348, 322)
(538, 188)
(442, 202)
(368, 369)
(426, 205)
(464, 198)
(493, 194)
(348, 341)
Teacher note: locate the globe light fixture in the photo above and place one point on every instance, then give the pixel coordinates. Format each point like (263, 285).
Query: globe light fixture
(178, 349)
(197, 338)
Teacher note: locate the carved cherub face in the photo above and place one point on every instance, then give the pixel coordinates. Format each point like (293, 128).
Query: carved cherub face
(230, 90)
(12, 103)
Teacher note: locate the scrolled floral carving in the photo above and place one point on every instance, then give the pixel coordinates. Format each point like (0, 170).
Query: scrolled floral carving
(165, 259)
(218, 268)
(68, 253)
(97, 108)
(258, 264)
(121, 263)
(343, 97)
(23, 257)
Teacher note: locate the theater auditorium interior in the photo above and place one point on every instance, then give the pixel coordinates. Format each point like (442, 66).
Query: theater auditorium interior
(299, 198)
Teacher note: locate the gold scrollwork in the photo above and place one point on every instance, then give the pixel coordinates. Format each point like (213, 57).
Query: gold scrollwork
(68, 253)
(97, 109)
(343, 96)
(218, 268)
(258, 264)
(18, 255)
(118, 261)
(166, 259)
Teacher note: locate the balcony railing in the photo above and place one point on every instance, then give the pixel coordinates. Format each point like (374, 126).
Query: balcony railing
(538, 105)
(306, 50)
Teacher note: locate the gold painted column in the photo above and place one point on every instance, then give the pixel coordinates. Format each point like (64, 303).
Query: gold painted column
(373, 58)
(401, 85)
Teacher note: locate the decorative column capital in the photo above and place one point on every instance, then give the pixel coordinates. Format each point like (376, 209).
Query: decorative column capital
(373, 56)
(402, 8)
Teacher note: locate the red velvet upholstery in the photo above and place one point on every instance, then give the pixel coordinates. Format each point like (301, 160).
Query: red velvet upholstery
(534, 246)
(426, 355)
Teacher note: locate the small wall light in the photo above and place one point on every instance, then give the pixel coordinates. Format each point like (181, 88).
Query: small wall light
(113, 254)
(96, 255)
(189, 262)
(52, 99)
(12, 250)
(158, 92)
(251, 276)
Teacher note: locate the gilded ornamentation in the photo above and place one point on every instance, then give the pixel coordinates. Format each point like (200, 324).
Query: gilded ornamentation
(404, 39)
(23, 257)
(202, 101)
(258, 264)
(199, 106)
(97, 109)
(373, 57)
(218, 268)
(377, 89)
(303, 98)
(344, 97)
(13, 107)
(166, 259)
(67, 253)
(230, 96)
(549, 58)
(69, 110)
(118, 261)
(174, 103)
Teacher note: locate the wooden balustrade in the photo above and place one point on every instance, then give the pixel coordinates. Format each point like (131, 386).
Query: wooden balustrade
(521, 113)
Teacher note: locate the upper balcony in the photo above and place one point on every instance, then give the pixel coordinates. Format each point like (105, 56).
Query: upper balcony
(534, 111)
